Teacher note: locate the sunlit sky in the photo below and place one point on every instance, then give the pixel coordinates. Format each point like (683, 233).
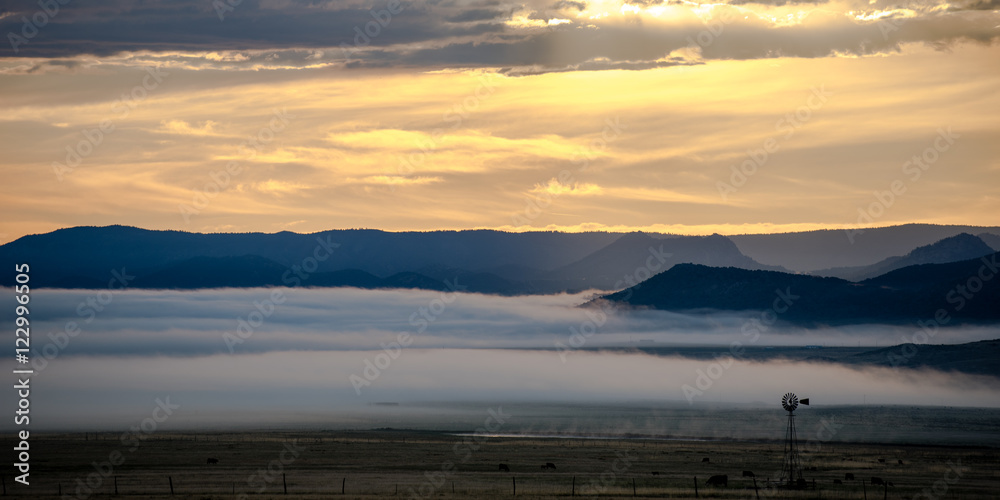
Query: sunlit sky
(571, 115)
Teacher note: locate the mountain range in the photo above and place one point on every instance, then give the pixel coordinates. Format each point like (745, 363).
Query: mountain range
(967, 291)
(824, 249)
(952, 249)
(977, 358)
(481, 261)
(661, 271)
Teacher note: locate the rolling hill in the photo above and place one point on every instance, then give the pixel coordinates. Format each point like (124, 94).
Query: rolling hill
(914, 293)
(482, 261)
(952, 249)
(824, 249)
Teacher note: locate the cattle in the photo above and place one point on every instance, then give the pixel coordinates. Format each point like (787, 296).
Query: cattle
(837, 481)
(213, 461)
(849, 476)
(881, 460)
(877, 481)
(549, 465)
(890, 484)
(704, 460)
(504, 468)
(720, 480)
(900, 462)
(656, 473)
(748, 473)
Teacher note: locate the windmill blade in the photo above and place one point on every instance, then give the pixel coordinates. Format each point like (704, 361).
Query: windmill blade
(804, 401)
(789, 402)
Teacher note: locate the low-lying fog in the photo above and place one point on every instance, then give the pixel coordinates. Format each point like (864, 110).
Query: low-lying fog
(316, 357)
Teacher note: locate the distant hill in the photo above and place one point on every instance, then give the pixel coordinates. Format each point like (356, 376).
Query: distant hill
(902, 296)
(213, 272)
(482, 261)
(979, 358)
(96, 250)
(962, 246)
(628, 256)
(83, 257)
(993, 240)
(812, 250)
(255, 271)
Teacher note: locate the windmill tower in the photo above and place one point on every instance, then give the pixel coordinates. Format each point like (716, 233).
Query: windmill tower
(791, 469)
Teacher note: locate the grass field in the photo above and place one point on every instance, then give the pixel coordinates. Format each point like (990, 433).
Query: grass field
(412, 464)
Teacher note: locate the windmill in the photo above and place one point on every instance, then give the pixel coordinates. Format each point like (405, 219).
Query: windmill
(791, 470)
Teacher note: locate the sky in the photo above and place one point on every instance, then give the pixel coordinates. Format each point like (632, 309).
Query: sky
(673, 116)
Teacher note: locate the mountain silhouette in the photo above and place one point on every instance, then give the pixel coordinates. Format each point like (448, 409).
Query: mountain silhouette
(480, 261)
(809, 251)
(641, 255)
(952, 249)
(907, 295)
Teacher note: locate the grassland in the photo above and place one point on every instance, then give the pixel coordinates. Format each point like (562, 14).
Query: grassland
(412, 464)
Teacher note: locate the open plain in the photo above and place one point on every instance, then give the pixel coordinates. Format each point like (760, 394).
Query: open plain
(390, 463)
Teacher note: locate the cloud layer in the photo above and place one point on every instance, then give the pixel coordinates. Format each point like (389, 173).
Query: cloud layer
(533, 36)
(398, 150)
(245, 321)
(438, 114)
(320, 354)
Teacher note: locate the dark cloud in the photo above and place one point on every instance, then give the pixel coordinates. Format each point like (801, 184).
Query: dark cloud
(447, 34)
(569, 4)
(67, 64)
(977, 5)
(776, 3)
(597, 65)
(477, 15)
(620, 47)
(190, 25)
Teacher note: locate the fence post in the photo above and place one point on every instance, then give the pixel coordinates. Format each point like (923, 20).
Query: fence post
(514, 480)
(343, 484)
(116, 485)
(573, 494)
(696, 486)
(171, 480)
(633, 486)
(284, 483)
